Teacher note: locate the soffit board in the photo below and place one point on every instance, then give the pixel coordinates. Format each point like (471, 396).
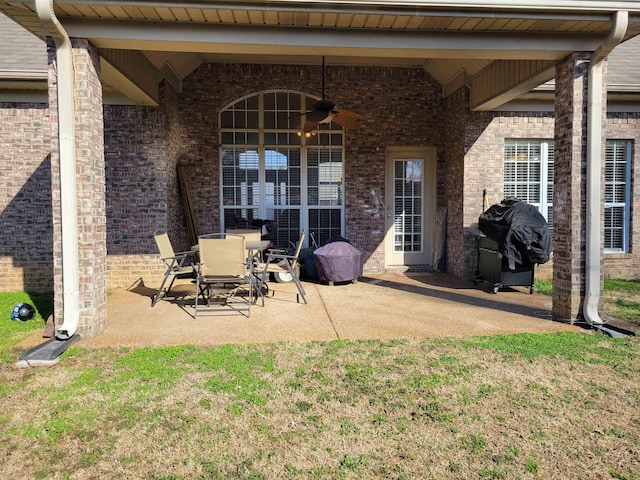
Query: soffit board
(493, 20)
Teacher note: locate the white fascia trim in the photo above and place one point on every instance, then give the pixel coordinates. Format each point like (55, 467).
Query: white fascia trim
(230, 39)
(24, 74)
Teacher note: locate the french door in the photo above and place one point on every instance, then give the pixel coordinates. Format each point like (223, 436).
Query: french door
(410, 206)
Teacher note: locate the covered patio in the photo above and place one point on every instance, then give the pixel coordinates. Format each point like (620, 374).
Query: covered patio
(139, 89)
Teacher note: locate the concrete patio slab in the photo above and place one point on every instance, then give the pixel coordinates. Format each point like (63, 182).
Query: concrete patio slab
(381, 306)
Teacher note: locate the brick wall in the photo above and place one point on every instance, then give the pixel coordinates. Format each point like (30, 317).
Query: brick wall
(569, 220)
(626, 126)
(144, 144)
(484, 165)
(402, 106)
(26, 251)
(141, 147)
(451, 177)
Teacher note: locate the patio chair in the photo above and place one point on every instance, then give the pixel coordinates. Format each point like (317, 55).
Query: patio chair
(279, 263)
(224, 275)
(179, 265)
(250, 235)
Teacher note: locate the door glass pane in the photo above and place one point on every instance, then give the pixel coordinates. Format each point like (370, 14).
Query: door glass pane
(324, 223)
(407, 197)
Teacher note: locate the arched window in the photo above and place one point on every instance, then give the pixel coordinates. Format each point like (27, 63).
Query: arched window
(270, 170)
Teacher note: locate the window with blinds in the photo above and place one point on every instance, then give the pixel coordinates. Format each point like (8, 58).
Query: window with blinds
(271, 171)
(617, 195)
(528, 173)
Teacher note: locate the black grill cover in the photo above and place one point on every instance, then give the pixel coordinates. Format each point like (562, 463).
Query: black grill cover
(338, 262)
(520, 230)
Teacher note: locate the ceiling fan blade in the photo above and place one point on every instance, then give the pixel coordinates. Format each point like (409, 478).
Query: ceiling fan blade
(309, 126)
(346, 122)
(348, 113)
(317, 115)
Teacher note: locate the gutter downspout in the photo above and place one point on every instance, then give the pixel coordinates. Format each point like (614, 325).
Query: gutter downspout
(67, 149)
(594, 168)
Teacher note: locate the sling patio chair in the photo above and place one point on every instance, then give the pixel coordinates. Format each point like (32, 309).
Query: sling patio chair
(224, 276)
(251, 235)
(284, 266)
(179, 265)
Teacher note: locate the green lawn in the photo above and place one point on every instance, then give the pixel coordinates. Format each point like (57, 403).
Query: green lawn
(12, 332)
(529, 406)
(621, 298)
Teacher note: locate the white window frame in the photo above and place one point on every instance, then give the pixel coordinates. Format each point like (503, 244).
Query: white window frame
(544, 203)
(611, 180)
(325, 135)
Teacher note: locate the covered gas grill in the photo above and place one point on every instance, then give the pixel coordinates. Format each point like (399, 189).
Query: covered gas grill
(338, 261)
(513, 237)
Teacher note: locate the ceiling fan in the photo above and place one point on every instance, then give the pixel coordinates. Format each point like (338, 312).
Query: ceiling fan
(325, 111)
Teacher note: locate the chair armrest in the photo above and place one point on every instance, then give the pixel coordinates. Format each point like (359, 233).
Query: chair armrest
(279, 256)
(179, 260)
(277, 251)
(187, 253)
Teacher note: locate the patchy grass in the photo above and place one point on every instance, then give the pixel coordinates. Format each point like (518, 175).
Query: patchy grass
(621, 297)
(11, 332)
(524, 406)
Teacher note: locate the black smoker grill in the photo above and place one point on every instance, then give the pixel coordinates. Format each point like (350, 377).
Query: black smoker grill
(494, 268)
(513, 238)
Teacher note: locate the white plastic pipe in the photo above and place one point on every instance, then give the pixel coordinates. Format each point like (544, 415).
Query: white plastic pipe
(595, 111)
(67, 149)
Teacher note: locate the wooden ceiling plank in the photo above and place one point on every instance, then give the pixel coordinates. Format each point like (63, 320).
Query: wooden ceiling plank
(456, 23)
(196, 15)
(270, 18)
(211, 16)
(439, 23)
(241, 17)
(526, 25)
(149, 13)
(256, 17)
(344, 19)
(315, 19)
(373, 21)
(180, 14)
(226, 16)
(68, 10)
(470, 24)
(330, 19)
(358, 20)
(513, 24)
(401, 22)
(102, 11)
(285, 18)
(387, 21)
(119, 12)
(165, 13)
(415, 22)
(301, 19)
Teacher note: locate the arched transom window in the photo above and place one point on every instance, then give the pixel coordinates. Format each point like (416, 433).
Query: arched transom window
(271, 171)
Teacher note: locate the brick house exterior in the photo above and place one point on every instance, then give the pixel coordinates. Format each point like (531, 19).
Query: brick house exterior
(128, 186)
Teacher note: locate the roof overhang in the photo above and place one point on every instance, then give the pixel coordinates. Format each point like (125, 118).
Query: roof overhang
(452, 40)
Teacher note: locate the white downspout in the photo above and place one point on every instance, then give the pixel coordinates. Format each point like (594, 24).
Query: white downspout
(595, 112)
(67, 148)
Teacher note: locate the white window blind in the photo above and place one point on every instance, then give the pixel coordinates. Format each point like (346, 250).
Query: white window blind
(617, 195)
(528, 173)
